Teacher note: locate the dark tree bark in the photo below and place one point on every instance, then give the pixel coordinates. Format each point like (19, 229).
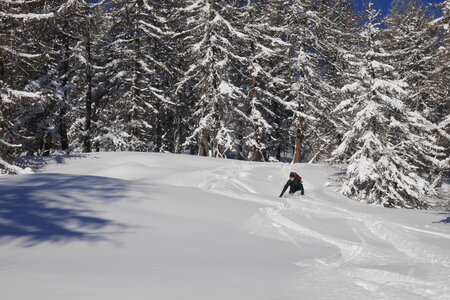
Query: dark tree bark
(299, 141)
(88, 112)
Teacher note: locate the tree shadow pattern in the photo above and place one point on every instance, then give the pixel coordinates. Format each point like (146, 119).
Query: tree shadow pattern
(55, 207)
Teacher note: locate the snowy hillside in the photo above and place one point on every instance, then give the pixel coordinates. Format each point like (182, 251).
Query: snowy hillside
(140, 226)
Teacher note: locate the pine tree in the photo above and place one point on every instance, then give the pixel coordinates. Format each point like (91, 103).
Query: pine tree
(316, 32)
(280, 67)
(136, 71)
(212, 43)
(414, 44)
(20, 55)
(301, 20)
(264, 50)
(70, 80)
(384, 137)
(165, 134)
(334, 29)
(440, 76)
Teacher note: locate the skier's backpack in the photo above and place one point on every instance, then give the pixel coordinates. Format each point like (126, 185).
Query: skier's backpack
(297, 176)
(298, 183)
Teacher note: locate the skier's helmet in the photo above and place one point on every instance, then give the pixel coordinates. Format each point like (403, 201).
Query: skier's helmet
(292, 175)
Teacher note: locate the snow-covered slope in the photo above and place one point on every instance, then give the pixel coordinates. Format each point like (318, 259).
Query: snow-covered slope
(140, 226)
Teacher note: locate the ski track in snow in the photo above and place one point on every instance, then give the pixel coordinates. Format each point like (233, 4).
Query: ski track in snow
(385, 245)
(346, 250)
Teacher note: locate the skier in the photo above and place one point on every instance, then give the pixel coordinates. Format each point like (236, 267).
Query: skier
(295, 184)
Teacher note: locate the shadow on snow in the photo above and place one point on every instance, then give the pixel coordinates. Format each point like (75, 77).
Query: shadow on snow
(38, 162)
(445, 220)
(54, 208)
(445, 214)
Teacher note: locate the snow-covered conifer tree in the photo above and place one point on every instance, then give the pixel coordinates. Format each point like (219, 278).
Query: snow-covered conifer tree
(264, 51)
(166, 51)
(301, 19)
(136, 47)
(384, 138)
(134, 70)
(213, 56)
(20, 58)
(334, 30)
(70, 80)
(414, 43)
(440, 77)
(316, 33)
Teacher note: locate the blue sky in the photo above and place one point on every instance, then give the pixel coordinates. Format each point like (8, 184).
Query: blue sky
(384, 5)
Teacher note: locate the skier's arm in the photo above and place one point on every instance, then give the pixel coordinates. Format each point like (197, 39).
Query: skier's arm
(285, 188)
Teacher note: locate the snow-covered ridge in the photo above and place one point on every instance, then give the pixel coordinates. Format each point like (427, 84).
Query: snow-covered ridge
(160, 226)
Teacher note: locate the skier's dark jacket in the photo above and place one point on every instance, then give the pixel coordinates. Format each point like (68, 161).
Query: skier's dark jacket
(295, 185)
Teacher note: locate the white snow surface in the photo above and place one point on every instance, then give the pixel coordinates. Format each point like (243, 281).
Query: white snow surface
(145, 226)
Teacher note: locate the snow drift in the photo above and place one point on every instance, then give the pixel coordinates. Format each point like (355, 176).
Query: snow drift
(158, 226)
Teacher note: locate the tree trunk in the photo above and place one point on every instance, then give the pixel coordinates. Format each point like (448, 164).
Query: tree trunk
(257, 155)
(88, 113)
(299, 141)
(159, 136)
(178, 132)
(203, 149)
(87, 128)
(48, 144)
(219, 150)
(138, 76)
(62, 126)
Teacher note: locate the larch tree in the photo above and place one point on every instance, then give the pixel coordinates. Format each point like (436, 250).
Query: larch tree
(384, 136)
(414, 44)
(301, 20)
(20, 57)
(335, 30)
(136, 69)
(313, 59)
(213, 55)
(440, 77)
(264, 48)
